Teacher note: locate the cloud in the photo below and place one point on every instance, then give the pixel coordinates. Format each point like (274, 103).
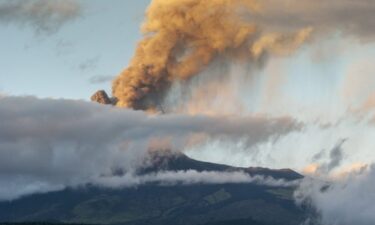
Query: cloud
(357, 87)
(350, 17)
(323, 166)
(64, 47)
(335, 156)
(89, 64)
(44, 16)
(47, 144)
(190, 177)
(13, 187)
(101, 79)
(347, 201)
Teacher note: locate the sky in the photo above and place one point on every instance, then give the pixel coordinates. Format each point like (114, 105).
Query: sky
(276, 86)
(83, 54)
(79, 47)
(88, 43)
(63, 63)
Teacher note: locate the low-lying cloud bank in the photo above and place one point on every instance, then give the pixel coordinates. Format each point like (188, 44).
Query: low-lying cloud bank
(50, 144)
(346, 201)
(190, 177)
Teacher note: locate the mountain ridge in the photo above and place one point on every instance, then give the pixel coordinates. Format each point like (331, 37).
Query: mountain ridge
(152, 204)
(176, 161)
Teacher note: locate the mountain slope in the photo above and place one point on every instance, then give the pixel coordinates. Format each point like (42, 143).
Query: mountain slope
(170, 161)
(213, 204)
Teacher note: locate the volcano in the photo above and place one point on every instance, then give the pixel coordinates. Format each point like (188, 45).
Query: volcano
(153, 204)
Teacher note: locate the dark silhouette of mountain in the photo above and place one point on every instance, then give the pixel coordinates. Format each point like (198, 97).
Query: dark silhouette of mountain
(153, 204)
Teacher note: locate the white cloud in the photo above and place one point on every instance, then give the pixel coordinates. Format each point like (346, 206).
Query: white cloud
(190, 177)
(345, 201)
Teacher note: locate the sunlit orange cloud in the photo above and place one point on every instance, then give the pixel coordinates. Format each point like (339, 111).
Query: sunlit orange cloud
(314, 170)
(350, 169)
(310, 169)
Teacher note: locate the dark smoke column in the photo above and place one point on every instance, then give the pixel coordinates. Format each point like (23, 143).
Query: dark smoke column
(101, 97)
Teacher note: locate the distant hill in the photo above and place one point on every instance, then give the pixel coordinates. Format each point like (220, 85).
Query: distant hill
(213, 204)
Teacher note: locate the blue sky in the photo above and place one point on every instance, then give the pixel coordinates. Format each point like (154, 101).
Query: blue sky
(99, 42)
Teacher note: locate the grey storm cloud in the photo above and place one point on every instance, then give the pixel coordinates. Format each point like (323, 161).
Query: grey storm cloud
(347, 201)
(351, 17)
(334, 159)
(44, 15)
(48, 144)
(336, 156)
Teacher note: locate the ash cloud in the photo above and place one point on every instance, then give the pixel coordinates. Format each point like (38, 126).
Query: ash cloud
(350, 17)
(44, 16)
(181, 38)
(48, 144)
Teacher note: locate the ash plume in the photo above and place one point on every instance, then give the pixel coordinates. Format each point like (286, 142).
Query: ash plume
(182, 37)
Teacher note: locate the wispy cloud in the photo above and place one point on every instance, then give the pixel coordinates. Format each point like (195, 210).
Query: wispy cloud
(349, 17)
(191, 177)
(89, 64)
(45, 16)
(323, 165)
(101, 79)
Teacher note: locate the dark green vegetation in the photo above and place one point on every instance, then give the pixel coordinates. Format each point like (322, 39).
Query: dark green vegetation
(217, 204)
